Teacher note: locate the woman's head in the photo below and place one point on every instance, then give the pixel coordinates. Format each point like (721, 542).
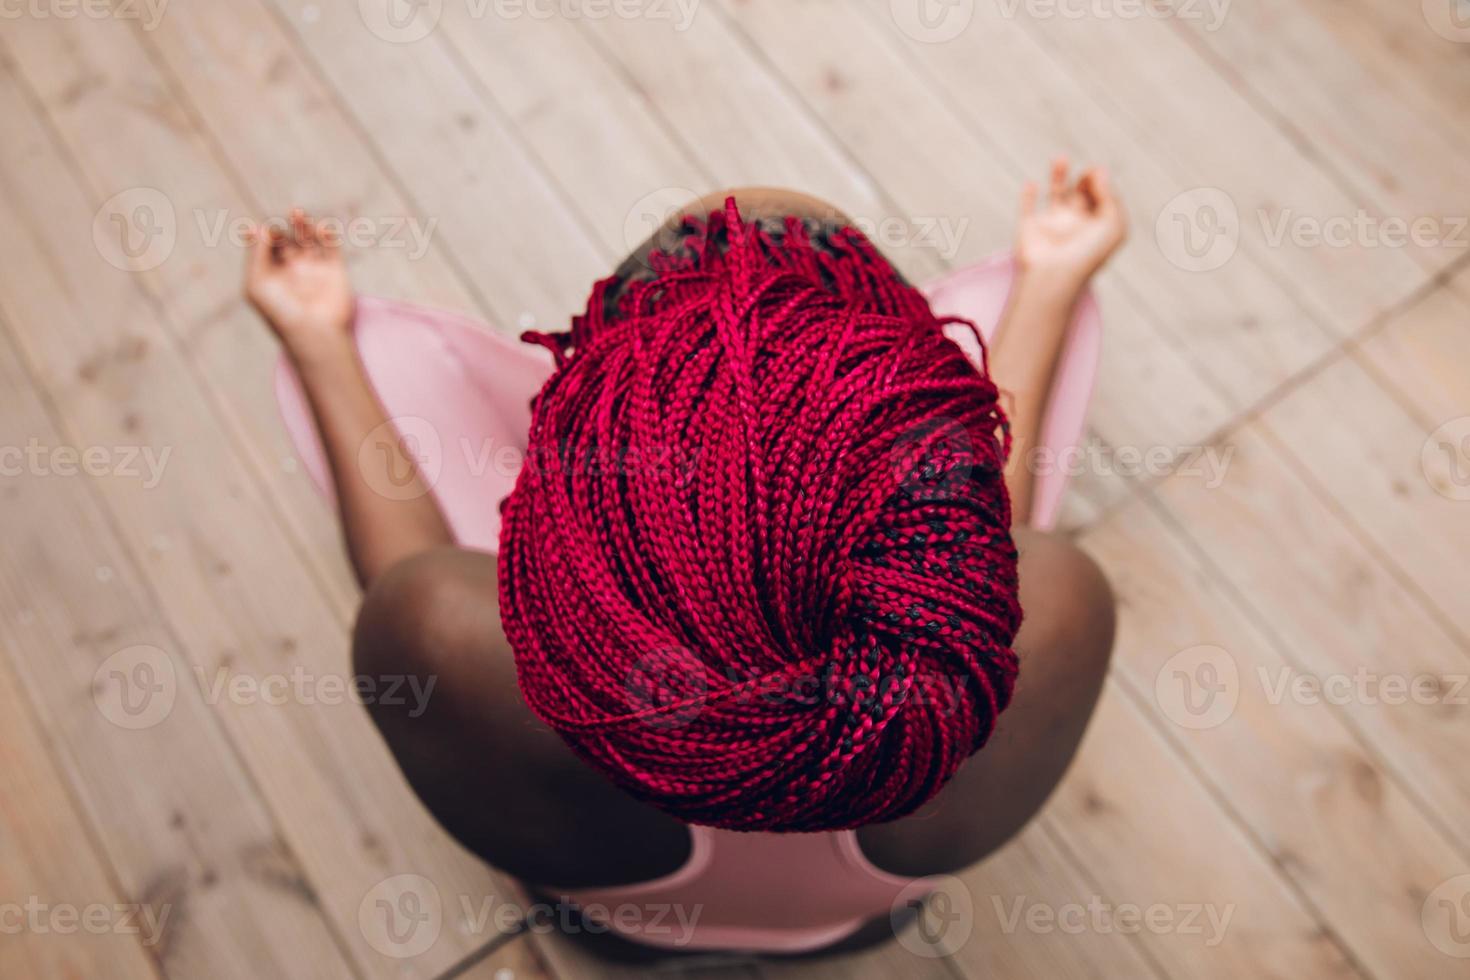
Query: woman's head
(757, 568)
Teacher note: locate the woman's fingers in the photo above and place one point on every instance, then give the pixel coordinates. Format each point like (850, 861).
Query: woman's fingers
(301, 229)
(1028, 199)
(1106, 203)
(1059, 168)
(258, 262)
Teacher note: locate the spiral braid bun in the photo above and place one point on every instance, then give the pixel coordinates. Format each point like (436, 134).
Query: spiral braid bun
(757, 567)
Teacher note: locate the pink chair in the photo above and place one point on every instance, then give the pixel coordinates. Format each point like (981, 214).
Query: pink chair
(460, 394)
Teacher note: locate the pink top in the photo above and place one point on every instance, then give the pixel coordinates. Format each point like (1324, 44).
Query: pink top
(459, 394)
(771, 893)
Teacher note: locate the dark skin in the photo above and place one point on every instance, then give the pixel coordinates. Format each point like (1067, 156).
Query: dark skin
(504, 784)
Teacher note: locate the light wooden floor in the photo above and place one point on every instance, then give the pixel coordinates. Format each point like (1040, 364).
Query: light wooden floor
(1221, 821)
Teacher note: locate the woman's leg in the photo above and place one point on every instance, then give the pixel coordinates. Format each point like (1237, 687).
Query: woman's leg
(495, 777)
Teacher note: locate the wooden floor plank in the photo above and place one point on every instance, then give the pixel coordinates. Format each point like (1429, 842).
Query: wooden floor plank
(1024, 906)
(1406, 153)
(1174, 106)
(52, 875)
(556, 90)
(180, 820)
(526, 252)
(1139, 820)
(736, 118)
(1312, 585)
(514, 959)
(1241, 329)
(1421, 42)
(935, 195)
(1421, 353)
(290, 147)
(230, 583)
(1388, 472)
(1332, 817)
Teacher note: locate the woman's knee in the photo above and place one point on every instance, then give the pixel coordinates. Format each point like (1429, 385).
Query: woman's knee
(422, 617)
(1069, 603)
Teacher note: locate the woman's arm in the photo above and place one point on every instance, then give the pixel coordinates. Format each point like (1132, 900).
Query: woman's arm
(1059, 247)
(297, 281)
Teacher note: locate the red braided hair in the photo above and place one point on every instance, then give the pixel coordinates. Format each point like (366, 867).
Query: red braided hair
(757, 568)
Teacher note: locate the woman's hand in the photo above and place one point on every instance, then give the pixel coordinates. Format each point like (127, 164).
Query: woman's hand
(1070, 237)
(298, 282)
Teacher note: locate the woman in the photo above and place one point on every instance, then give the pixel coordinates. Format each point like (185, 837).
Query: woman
(747, 678)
